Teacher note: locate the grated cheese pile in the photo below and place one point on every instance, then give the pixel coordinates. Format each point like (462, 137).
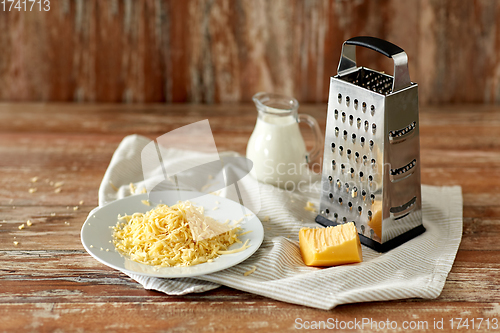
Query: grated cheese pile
(180, 235)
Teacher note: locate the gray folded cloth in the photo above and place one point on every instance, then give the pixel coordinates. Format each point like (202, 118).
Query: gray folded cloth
(417, 268)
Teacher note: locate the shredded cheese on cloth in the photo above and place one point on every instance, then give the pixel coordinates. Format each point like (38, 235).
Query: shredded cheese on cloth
(179, 235)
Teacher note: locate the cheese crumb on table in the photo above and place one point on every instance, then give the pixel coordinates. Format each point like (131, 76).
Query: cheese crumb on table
(32, 190)
(16, 243)
(52, 214)
(21, 226)
(34, 179)
(58, 184)
(57, 190)
(81, 202)
(75, 208)
(28, 223)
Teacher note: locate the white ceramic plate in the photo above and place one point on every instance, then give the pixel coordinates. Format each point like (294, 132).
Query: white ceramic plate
(96, 233)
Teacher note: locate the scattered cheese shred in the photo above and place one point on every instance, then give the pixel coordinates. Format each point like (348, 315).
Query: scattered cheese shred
(32, 190)
(206, 186)
(132, 188)
(247, 273)
(16, 243)
(146, 202)
(113, 186)
(81, 202)
(34, 179)
(180, 235)
(28, 223)
(310, 207)
(266, 219)
(58, 184)
(144, 190)
(57, 190)
(21, 227)
(75, 208)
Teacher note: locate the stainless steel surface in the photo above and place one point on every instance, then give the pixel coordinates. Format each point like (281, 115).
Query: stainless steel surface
(372, 150)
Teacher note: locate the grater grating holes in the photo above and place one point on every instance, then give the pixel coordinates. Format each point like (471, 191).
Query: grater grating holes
(370, 80)
(404, 169)
(333, 147)
(356, 104)
(336, 113)
(347, 100)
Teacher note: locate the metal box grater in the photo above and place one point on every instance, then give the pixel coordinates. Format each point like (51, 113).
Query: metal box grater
(371, 163)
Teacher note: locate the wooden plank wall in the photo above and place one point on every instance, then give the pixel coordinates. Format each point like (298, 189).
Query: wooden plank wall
(212, 51)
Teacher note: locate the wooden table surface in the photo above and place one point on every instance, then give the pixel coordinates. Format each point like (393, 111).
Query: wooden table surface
(49, 283)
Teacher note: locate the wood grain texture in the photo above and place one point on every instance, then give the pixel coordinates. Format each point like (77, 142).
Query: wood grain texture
(49, 283)
(210, 51)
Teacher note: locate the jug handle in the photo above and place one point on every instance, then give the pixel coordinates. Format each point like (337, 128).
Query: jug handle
(318, 137)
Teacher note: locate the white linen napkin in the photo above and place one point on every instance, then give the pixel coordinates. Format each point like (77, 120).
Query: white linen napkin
(417, 268)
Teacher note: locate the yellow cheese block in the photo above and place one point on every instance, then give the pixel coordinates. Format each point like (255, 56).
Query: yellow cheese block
(376, 222)
(330, 246)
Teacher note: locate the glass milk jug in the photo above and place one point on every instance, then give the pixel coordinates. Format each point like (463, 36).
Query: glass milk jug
(276, 146)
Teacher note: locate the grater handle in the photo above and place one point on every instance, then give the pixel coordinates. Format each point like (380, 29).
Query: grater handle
(347, 62)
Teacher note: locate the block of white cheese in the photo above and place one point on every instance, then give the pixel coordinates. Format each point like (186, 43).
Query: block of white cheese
(330, 246)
